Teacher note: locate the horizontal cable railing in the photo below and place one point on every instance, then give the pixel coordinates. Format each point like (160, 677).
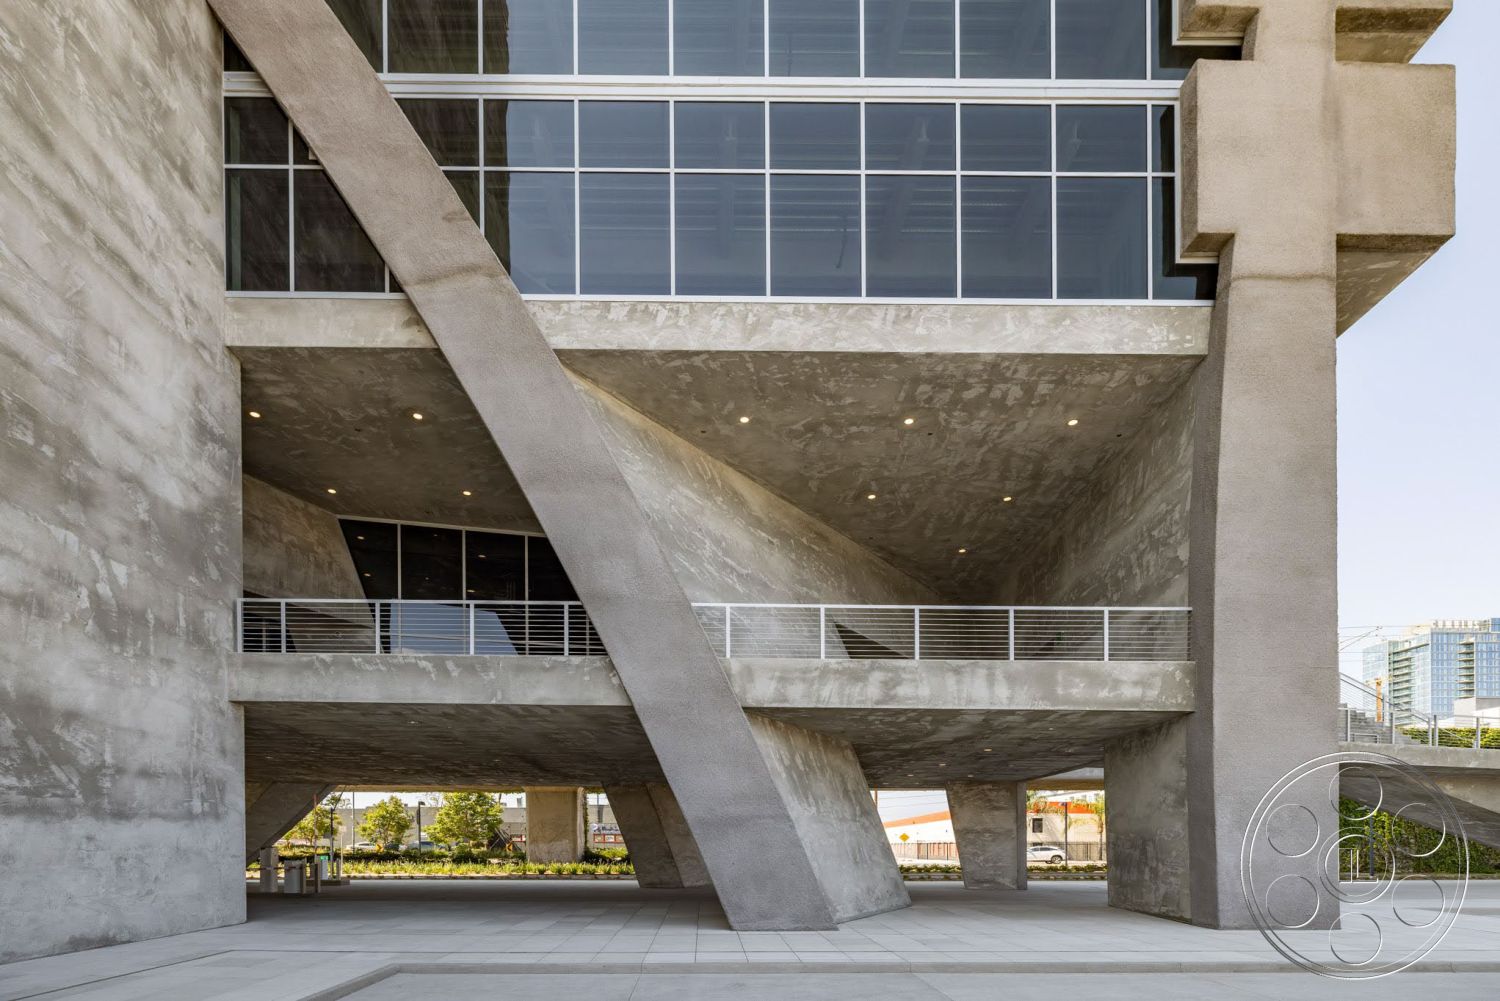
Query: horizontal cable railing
(1370, 716)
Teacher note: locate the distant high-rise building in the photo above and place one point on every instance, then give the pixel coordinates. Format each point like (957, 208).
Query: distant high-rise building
(1438, 662)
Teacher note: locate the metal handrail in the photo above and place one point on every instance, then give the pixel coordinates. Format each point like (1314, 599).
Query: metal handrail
(1368, 715)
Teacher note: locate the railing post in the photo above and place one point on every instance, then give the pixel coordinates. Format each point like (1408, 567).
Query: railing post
(1106, 634)
(567, 614)
(239, 625)
(376, 603)
(283, 626)
(471, 627)
(822, 632)
(1011, 632)
(916, 633)
(728, 644)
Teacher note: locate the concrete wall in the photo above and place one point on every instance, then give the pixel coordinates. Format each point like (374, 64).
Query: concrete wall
(1124, 541)
(119, 480)
(293, 549)
(1147, 829)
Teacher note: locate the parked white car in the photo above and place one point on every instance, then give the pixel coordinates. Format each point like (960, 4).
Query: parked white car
(1050, 854)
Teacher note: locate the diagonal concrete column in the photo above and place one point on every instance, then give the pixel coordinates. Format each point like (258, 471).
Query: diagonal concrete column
(412, 215)
(989, 825)
(275, 809)
(662, 849)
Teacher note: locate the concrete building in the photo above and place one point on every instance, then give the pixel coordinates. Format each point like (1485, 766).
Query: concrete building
(1438, 664)
(731, 405)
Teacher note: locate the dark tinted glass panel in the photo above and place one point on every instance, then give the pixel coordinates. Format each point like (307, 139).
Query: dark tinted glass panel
(255, 214)
(719, 38)
(254, 131)
(625, 233)
(720, 134)
(466, 184)
(433, 36)
(910, 247)
(495, 566)
(450, 128)
(909, 137)
(528, 133)
(815, 136)
(332, 252)
(1006, 39)
(623, 37)
(361, 18)
(909, 38)
(814, 235)
(1101, 40)
(528, 36)
(622, 134)
(1101, 139)
(815, 37)
(546, 578)
(1172, 62)
(1173, 280)
(1007, 237)
(528, 219)
(1007, 137)
(372, 544)
(234, 59)
(1101, 238)
(431, 563)
(721, 234)
(1164, 139)
(300, 152)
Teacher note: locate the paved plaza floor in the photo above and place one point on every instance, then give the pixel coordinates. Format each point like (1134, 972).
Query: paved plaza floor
(417, 940)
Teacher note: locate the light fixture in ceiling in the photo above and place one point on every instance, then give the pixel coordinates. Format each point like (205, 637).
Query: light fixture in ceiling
(417, 415)
(255, 414)
(1072, 422)
(332, 491)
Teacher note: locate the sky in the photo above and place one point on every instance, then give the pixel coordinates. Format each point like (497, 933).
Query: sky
(1419, 396)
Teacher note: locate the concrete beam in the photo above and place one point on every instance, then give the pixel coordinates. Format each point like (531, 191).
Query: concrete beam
(554, 824)
(275, 809)
(989, 826)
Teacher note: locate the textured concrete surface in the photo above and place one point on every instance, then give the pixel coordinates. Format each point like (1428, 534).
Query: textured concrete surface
(641, 827)
(1145, 783)
(989, 825)
(554, 824)
(119, 480)
(273, 808)
(1470, 778)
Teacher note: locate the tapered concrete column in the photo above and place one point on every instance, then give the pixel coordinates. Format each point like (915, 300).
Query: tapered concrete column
(662, 848)
(554, 824)
(989, 824)
(1145, 782)
(273, 808)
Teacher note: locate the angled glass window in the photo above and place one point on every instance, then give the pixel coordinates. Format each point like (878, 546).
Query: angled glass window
(449, 127)
(255, 131)
(720, 135)
(814, 136)
(466, 186)
(361, 18)
(909, 38)
(1173, 280)
(1101, 139)
(1101, 40)
(528, 219)
(528, 36)
(1006, 39)
(546, 579)
(1164, 139)
(721, 234)
(622, 134)
(1007, 238)
(622, 37)
(624, 234)
(909, 136)
(1101, 238)
(909, 237)
(332, 252)
(257, 230)
(372, 545)
(528, 133)
(815, 237)
(234, 59)
(1007, 137)
(719, 38)
(431, 563)
(433, 36)
(814, 37)
(494, 566)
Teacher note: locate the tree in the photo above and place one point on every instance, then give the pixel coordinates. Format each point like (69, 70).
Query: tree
(1097, 809)
(467, 818)
(385, 823)
(321, 822)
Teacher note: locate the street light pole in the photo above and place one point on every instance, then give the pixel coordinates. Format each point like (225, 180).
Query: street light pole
(420, 804)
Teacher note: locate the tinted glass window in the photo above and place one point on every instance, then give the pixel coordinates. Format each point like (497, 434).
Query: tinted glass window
(622, 134)
(528, 133)
(433, 36)
(1101, 238)
(372, 545)
(431, 563)
(721, 234)
(625, 234)
(547, 580)
(255, 213)
(528, 219)
(1172, 62)
(815, 136)
(332, 252)
(624, 37)
(719, 134)
(361, 18)
(1163, 139)
(814, 37)
(1007, 137)
(495, 566)
(528, 36)
(909, 38)
(234, 59)
(910, 248)
(1007, 237)
(450, 128)
(1006, 39)
(466, 185)
(909, 136)
(255, 131)
(1173, 280)
(815, 238)
(1101, 40)
(719, 38)
(1101, 139)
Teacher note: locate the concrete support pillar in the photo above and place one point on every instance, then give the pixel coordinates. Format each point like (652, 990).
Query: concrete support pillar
(1145, 782)
(268, 863)
(662, 848)
(989, 824)
(273, 808)
(554, 824)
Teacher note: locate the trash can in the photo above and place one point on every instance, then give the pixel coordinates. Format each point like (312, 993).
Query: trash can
(295, 881)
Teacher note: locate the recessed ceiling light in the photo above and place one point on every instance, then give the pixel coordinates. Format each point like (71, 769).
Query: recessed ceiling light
(255, 413)
(1072, 422)
(1007, 499)
(416, 415)
(869, 496)
(481, 555)
(744, 420)
(468, 493)
(367, 573)
(942, 764)
(988, 750)
(962, 550)
(332, 491)
(909, 421)
(361, 538)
